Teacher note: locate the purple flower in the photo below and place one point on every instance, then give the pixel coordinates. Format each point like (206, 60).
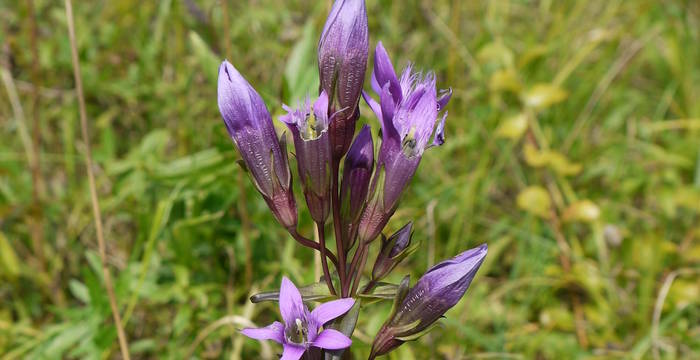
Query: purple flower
(250, 126)
(440, 288)
(393, 251)
(357, 172)
(408, 110)
(309, 129)
(342, 59)
(300, 330)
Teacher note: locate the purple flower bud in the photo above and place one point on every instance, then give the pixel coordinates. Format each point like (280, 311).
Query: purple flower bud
(440, 288)
(408, 111)
(250, 126)
(309, 129)
(393, 251)
(357, 173)
(342, 57)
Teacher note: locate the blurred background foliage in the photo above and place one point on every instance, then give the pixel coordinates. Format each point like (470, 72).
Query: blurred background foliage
(573, 151)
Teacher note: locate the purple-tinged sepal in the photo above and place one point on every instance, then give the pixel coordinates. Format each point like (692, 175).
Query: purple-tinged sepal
(342, 58)
(394, 249)
(357, 173)
(438, 290)
(407, 110)
(250, 126)
(444, 98)
(309, 127)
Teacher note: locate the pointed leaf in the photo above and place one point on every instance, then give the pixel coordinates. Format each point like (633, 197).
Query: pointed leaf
(345, 325)
(314, 292)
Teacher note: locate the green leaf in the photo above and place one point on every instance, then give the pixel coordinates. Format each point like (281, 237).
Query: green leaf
(314, 292)
(207, 59)
(383, 291)
(346, 325)
(9, 263)
(300, 73)
(79, 290)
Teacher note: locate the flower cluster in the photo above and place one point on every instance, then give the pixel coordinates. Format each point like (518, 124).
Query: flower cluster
(344, 178)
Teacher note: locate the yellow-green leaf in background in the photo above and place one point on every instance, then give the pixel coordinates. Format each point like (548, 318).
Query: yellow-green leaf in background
(9, 264)
(550, 158)
(584, 210)
(531, 54)
(693, 252)
(542, 96)
(687, 197)
(534, 157)
(557, 317)
(513, 127)
(496, 53)
(535, 200)
(505, 80)
(683, 292)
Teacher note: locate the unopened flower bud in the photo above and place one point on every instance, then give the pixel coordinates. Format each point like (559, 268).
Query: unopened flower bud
(357, 173)
(438, 290)
(342, 59)
(393, 251)
(250, 126)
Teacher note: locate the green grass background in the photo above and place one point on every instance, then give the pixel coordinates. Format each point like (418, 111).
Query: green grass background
(573, 137)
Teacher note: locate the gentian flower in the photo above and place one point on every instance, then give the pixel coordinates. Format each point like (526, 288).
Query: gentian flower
(309, 129)
(440, 288)
(250, 126)
(342, 60)
(393, 251)
(300, 330)
(357, 172)
(408, 110)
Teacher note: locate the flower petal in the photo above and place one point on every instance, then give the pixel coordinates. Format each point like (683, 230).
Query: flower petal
(292, 352)
(331, 310)
(291, 304)
(384, 73)
(321, 108)
(388, 106)
(373, 104)
(274, 331)
(332, 340)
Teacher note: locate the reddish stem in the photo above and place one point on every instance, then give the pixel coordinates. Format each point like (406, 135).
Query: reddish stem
(312, 245)
(335, 203)
(324, 260)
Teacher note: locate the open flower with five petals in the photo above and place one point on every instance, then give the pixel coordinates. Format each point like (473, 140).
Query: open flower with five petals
(300, 330)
